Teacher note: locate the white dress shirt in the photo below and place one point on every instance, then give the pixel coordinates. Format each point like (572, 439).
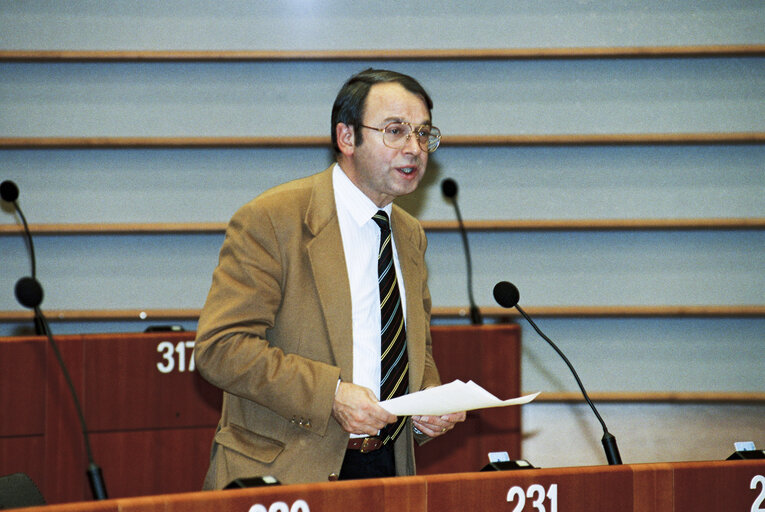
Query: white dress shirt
(361, 243)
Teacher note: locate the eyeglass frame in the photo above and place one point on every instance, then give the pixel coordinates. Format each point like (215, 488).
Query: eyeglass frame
(412, 127)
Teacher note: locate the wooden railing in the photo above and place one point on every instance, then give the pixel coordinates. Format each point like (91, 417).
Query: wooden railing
(615, 52)
(164, 228)
(685, 397)
(703, 138)
(501, 314)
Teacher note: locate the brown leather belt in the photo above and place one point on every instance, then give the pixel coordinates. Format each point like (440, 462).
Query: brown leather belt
(365, 444)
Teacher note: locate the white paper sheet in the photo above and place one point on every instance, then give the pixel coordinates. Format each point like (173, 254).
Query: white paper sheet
(452, 397)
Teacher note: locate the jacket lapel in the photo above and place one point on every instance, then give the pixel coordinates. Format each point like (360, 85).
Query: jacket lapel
(328, 267)
(329, 271)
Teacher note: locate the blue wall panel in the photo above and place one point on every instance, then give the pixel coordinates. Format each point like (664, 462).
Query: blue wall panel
(295, 98)
(335, 24)
(483, 97)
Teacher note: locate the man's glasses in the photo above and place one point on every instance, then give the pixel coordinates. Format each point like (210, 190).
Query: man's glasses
(395, 135)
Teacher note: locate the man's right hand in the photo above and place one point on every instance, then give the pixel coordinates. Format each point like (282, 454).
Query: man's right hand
(356, 409)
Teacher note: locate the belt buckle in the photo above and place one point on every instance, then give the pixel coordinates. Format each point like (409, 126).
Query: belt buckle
(368, 445)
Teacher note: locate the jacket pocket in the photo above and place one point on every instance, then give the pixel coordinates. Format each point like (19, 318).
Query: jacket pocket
(249, 444)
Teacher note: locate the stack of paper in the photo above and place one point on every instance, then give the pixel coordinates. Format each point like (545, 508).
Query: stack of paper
(453, 397)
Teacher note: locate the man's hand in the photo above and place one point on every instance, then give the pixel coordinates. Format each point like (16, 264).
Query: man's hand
(434, 426)
(356, 409)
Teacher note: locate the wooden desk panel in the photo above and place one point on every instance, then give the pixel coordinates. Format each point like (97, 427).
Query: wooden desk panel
(376, 495)
(491, 356)
(145, 382)
(586, 488)
(699, 486)
(155, 461)
(24, 454)
(22, 407)
(22, 398)
(653, 487)
(714, 487)
(65, 458)
(151, 430)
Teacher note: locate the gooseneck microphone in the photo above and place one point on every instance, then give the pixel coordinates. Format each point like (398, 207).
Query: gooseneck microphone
(29, 293)
(507, 295)
(28, 290)
(449, 190)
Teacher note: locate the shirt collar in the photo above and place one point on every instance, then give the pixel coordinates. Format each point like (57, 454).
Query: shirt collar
(350, 198)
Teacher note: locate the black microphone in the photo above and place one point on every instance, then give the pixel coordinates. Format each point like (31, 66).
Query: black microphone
(9, 191)
(507, 295)
(26, 291)
(449, 189)
(29, 293)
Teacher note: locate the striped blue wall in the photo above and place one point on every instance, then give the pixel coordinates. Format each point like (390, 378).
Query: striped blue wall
(504, 97)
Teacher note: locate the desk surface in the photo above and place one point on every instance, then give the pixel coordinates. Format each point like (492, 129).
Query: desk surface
(694, 486)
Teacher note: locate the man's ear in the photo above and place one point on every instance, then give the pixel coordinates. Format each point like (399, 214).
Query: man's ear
(346, 138)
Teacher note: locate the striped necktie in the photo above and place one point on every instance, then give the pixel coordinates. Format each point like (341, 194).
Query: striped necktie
(394, 377)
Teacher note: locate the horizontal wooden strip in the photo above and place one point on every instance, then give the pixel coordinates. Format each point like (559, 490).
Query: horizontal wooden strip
(740, 50)
(446, 312)
(678, 311)
(598, 224)
(607, 139)
(160, 142)
(166, 228)
(104, 315)
(124, 228)
(677, 397)
(710, 138)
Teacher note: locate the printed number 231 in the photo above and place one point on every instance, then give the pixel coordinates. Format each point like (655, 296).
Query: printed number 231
(536, 493)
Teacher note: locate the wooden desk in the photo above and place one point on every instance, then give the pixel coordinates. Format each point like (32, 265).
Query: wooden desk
(150, 431)
(151, 417)
(490, 356)
(668, 487)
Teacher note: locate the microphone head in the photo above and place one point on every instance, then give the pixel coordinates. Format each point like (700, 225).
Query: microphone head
(449, 188)
(29, 292)
(506, 294)
(9, 191)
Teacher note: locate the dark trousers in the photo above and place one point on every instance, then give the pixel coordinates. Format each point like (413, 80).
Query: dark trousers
(377, 464)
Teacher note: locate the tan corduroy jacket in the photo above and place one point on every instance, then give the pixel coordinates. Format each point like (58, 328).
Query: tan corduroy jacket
(276, 335)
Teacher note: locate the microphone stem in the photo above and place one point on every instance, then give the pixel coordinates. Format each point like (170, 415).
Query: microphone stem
(40, 327)
(609, 441)
(475, 315)
(62, 365)
(95, 476)
(29, 239)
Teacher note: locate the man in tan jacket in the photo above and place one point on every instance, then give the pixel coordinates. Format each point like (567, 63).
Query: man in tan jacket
(291, 326)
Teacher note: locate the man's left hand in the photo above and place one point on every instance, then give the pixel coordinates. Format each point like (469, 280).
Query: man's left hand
(434, 426)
